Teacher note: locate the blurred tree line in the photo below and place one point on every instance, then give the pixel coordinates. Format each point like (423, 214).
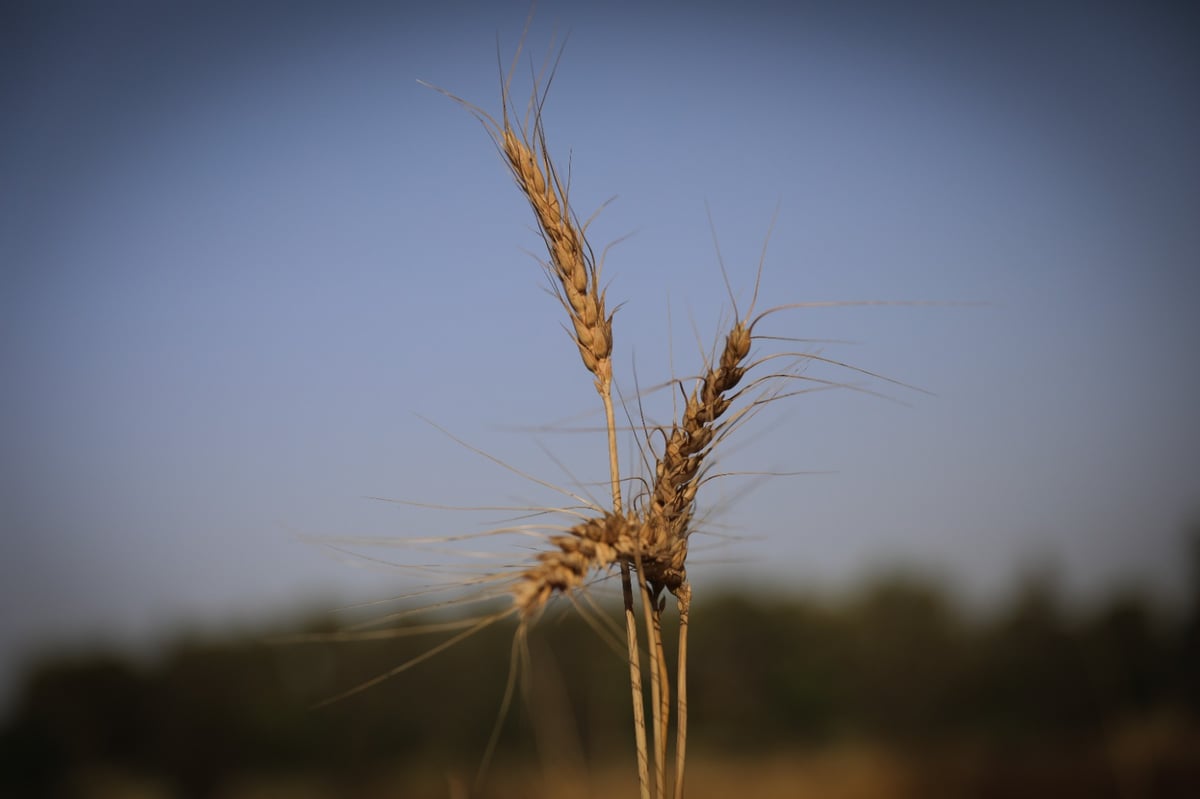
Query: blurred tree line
(1027, 700)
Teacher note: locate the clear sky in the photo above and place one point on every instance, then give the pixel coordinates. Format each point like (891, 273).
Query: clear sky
(244, 253)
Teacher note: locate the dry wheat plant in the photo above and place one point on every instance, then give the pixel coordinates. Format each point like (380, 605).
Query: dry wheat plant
(642, 536)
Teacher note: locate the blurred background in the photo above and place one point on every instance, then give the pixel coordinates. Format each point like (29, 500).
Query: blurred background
(248, 260)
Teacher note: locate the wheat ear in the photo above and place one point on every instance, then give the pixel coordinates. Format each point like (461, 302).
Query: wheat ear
(679, 468)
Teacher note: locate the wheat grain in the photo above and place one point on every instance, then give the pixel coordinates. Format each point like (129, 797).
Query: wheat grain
(589, 546)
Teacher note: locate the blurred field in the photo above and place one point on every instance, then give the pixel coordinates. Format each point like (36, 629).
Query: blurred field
(890, 690)
(1164, 767)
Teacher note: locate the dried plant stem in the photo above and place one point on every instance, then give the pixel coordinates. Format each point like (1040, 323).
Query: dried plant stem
(654, 652)
(684, 597)
(654, 629)
(604, 387)
(613, 466)
(635, 682)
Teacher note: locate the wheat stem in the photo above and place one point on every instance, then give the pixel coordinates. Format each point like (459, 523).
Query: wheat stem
(635, 682)
(653, 651)
(664, 699)
(684, 597)
(610, 421)
(604, 387)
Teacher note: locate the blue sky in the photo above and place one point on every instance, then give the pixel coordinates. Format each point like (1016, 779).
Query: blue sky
(244, 253)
